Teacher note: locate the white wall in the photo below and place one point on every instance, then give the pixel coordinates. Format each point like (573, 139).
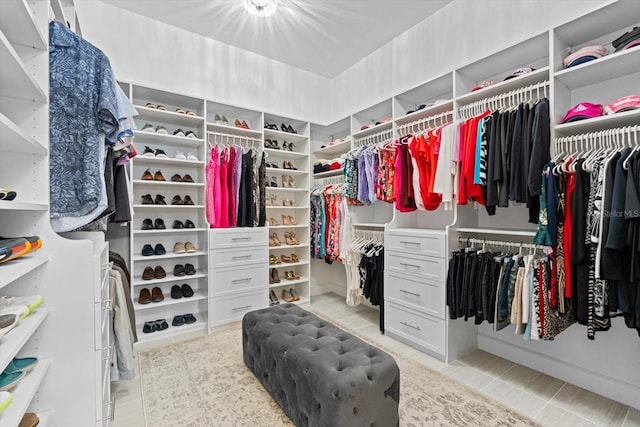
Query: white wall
(153, 54)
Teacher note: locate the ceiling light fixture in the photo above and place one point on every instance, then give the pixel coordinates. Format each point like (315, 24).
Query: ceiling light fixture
(261, 7)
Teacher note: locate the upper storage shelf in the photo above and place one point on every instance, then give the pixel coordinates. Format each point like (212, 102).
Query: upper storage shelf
(425, 100)
(19, 26)
(16, 81)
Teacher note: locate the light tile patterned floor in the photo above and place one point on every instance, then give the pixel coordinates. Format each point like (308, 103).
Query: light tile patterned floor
(549, 401)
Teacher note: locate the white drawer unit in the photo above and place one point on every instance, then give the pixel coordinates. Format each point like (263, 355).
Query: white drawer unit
(424, 331)
(415, 292)
(430, 243)
(428, 267)
(238, 237)
(238, 257)
(228, 281)
(231, 308)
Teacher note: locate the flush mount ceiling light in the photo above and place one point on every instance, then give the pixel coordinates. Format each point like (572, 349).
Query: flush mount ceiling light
(261, 7)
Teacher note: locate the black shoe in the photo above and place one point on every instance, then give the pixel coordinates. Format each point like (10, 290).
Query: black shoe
(148, 152)
(147, 250)
(178, 320)
(188, 318)
(178, 224)
(178, 270)
(159, 249)
(189, 269)
(159, 200)
(162, 324)
(147, 224)
(159, 224)
(160, 153)
(147, 200)
(187, 291)
(176, 292)
(149, 327)
(189, 224)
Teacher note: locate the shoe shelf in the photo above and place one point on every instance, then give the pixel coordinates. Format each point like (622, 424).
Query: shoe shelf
(137, 281)
(301, 245)
(168, 255)
(424, 113)
(285, 154)
(288, 264)
(168, 162)
(626, 118)
(285, 171)
(19, 27)
(170, 230)
(285, 136)
(14, 139)
(326, 174)
(171, 331)
(287, 189)
(495, 231)
(613, 66)
(168, 206)
(16, 80)
(232, 130)
(15, 339)
(23, 393)
(17, 268)
(144, 138)
(332, 150)
(539, 75)
(371, 130)
(169, 117)
(285, 282)
(276, 227)
(22, 206)
(197, 296)
(165, 184)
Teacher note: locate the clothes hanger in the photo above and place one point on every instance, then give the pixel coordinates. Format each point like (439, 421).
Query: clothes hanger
(636, 147)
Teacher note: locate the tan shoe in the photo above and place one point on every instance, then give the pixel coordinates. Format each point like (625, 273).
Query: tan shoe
(179, 248)
(189, 247)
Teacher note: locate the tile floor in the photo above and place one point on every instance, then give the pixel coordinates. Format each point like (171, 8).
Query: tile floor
(547, 400)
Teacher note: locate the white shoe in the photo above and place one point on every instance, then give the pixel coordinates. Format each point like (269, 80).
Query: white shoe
(180, 155)
(31, 301)
(5, 400)
(21, 311)
(7, 323)
(191, 156)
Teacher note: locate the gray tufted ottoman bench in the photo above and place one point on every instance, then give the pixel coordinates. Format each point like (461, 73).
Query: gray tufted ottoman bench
(319, 374)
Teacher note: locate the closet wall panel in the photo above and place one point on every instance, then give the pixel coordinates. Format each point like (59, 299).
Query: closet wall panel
(152, 54)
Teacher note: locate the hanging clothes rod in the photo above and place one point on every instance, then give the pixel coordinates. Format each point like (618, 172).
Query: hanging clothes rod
(425, 124)
(628, 136)
(332, 180)
(226, 138)
(370, 234)
(504, 100)
(379, 137)
(499, 243)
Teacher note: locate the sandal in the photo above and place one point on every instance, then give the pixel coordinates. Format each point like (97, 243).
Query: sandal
(272, 199)
(285, 258)
(294, 258)
(290, 238)
(276, 241)
(293, 294)
(287, 296)
(295, 276)
(273, 222)
(274, 260)
(292, 220)
(286, 220)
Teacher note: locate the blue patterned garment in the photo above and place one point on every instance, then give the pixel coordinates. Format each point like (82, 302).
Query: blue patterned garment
(82, 114)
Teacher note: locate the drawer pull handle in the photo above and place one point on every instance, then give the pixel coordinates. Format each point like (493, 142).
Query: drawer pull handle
(241, 238)
(241, 257)
(241, 308)
(409, 292)
(248, 279)
(406, 242)
(409, 265)
(417, 328)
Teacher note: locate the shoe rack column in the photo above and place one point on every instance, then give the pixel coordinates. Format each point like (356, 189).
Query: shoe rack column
(286, 143)
(169, 239)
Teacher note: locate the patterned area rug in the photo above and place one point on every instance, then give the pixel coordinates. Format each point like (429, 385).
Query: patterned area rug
(204, 383)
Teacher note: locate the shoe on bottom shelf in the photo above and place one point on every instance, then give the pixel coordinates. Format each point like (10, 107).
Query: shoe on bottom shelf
(189, 318)
(29, 419)
(5, 400)
(10, 380)
(24, 364)
(8, 322)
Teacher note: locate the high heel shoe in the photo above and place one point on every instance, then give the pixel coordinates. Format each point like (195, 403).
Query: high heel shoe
(292, 220)
(290, 238)
(285, 220)
(274, 260)
(276, 241)
(273, 182)
(291, 182)
(294, 275)
(274, 278)
(287, 296)
(285, 181)
(272, 199)
(273, 299)
(294, 258)
(285, 259)
(294, 294)
(273, 222)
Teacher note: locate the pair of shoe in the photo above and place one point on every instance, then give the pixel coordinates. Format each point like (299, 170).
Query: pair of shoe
(182, 134)
(274, 260)
(178, 291)
(155, 326)
(273, 299)
(189, 156)
(154, 273)
(271, 126)
(148, 224)
(146, 296)
(159, 249)
(20, 306)
(291, 275)
(288, 165)
(149, 152)
(184, 248)
(271, 143)
(273, 182)
(155, 106)
(274, 240)
(220, 120)
(148, 127)
(15, 247)
(289, 259)
(288, 203)
(288, 146)
(287, 181)
(183, 319)
(179, 201)
(290, 238)
(7, 195)
(177, 224)
(185, 112)
(290, 295)
(180, 270)
(273, 165)
(241, 124)
(148, 176)
(273, 276)
(178, 178)
(15, 371)
(270, 200)
(287, 128)
(288, 220)
(159, 200)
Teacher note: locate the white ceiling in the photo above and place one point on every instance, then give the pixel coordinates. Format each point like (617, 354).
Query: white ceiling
(321, 36)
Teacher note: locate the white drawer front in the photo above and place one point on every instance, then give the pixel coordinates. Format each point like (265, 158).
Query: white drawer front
(418, 242)
(238, 237)
(238, 257)
(415, 292)
(424, 330)
(227, 281)
(230, 309)
(430, 268)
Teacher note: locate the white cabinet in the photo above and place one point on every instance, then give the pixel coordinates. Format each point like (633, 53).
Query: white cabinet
(238, 282)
